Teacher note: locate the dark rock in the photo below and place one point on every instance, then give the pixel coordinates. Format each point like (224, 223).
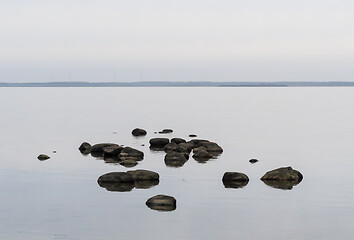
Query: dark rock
(284, 173)
(166, 131)
(116, 177)
(197, 141)
(85, 148)
(178, 140)
(253, 160)
(235, 180)
(129, 153)
(144, 175)
(162, 203)
(128, 163)
(139, 132)
(234, 177)
(210, 147)
(170, 147)
(192, 135)
(146, 184)
(114, 160)
(158, 143)
(99, 148)
(175, 159)
(112, 151)
(43, 157)
(201, 154)
(185, 147)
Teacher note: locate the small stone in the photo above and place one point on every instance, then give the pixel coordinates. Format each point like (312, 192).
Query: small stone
(253, 160)
(165, 131)
(162, 203)
(192, 135)
(43, 157)
(139, 132)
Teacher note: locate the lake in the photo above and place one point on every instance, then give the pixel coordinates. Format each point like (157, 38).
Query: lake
(310, 129)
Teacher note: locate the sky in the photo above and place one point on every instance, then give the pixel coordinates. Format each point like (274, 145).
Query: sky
(184, 40)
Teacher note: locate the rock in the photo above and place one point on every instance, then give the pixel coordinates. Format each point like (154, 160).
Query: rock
(116, 177)
(178, 140)
(128, 163)
(235, 180)
(114, 160)
(43, 157)
(166, 131)
(144, 175)
(192, 135)
(281, 184)
(99, 148)
(146, 184)
(162, 203)
(85, 148)
(197, 141)
(129, 153)
(185, 147)
(158, 143)
(170, 147)
(253, 160)
(139, 132)
(284, 173)
(201, 153)
(211, 147)
(175, 159)
(112, 151)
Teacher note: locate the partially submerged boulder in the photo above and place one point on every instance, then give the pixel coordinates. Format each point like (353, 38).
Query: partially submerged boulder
(129, 153)
(99, 148)
(166, 131)
(158, 143)
(43, 157)
(210, 147)
(112, 151)
(235, 180)
(178, 140)
(144, 175)
(85, 148)
(170, 147)
(201, 154)
(282, 178)
(175, 159)
(128, 163)
(162, 203)
(139, 132)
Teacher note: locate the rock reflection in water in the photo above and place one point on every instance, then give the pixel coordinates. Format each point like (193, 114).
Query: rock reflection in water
(235, 184)
(128, 186)
(281, 184)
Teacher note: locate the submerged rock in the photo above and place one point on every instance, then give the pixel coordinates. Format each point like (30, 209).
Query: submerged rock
(129, 153)
(158, 143)
(162, 203)
(85, 148)
(128, 163)
(99, 148)
(282, 178)
(175, 159)
(117, 186)
(284, 173)
(43, 157)
(210, 147)
(253, 160)
(166, 131)
(235, 180)
(139, 132)
(201, 154)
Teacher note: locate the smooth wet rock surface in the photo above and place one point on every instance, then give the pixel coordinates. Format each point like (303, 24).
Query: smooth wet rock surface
(162, 203)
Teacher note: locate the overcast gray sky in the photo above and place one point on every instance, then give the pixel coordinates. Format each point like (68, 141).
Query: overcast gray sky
(184, 40)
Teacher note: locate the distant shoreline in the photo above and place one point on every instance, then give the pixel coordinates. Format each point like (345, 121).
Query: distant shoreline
(179, 84)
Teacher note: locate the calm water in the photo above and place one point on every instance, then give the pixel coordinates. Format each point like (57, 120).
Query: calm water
(310, 129)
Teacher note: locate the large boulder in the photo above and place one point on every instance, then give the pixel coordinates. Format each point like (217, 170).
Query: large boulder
(175, 159)
(170, 147)
(129, 153)
(158, 143)
(282, 178)
(178, 140)
(85, 148)
(284, 173)
(185, 147)
(99, 148)
(201, 154)
(112, 151)
(210, 147)
(144, 175)
(162, 203)
(139, 132)
(235, 180)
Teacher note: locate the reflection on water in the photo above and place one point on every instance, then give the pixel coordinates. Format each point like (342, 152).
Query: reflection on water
(281, 184)
(235, 184)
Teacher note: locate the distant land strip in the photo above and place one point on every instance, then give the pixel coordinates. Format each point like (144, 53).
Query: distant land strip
(179, 84)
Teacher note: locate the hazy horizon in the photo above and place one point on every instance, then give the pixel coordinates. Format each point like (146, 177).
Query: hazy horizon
(130, 41)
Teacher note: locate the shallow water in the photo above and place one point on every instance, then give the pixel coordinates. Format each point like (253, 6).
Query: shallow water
(310, 129)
